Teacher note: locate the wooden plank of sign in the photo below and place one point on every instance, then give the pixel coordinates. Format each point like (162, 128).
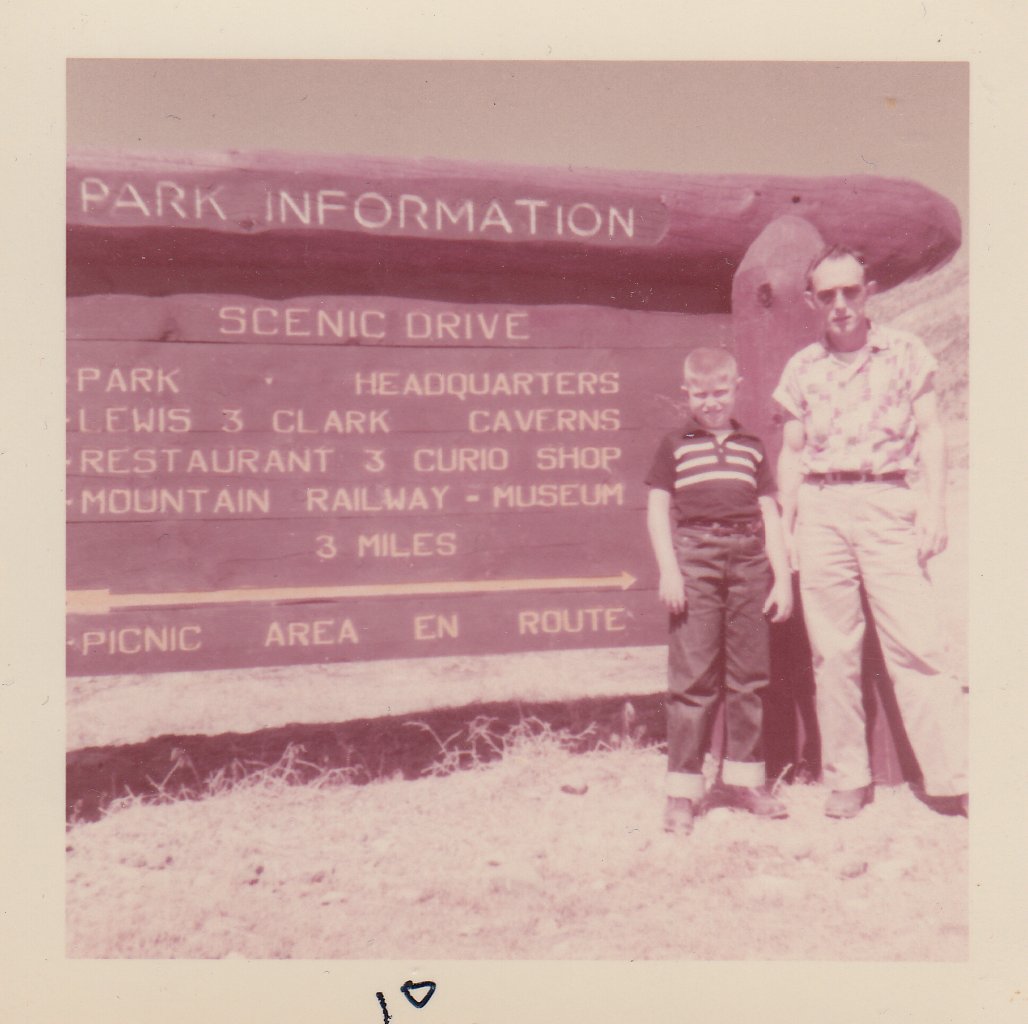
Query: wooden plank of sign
(190, 639)
(429, 457)
(623, 238)
(202, 555)
(143, 387)
(171, 477)
(179, 498)
(383, 321)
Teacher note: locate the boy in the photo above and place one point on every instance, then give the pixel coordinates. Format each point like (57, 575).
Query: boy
(720, 580)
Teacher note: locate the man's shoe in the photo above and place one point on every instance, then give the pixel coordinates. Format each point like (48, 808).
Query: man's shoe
(678, 815)
(848, 803)
(755, 799)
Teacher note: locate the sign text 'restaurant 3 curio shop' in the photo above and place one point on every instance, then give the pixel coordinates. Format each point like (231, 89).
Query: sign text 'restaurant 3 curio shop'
(349, 409)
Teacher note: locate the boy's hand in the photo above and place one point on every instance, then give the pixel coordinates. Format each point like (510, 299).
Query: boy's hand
(779, 602)
(672, 591)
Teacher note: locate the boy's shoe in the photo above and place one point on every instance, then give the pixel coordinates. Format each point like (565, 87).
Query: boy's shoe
(678, 815)
(755, 799)
(848, 803)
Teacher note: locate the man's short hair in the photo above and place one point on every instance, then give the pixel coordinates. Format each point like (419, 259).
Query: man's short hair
(833, 252)
(710, 362)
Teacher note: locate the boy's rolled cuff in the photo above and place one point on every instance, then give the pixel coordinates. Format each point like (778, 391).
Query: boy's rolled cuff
(743, 773)
(684, 784)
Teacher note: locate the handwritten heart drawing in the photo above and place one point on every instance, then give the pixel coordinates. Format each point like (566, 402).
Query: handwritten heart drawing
(417, 986)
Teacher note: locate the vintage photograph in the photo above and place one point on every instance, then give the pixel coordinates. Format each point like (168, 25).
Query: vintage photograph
(517, 510)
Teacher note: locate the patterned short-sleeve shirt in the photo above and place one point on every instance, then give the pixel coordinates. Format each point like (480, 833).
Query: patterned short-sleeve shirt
(858, 415)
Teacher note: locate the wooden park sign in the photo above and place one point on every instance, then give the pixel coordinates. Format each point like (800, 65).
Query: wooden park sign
(343, 409)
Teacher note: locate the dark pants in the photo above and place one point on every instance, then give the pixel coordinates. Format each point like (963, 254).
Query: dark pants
(718, 650)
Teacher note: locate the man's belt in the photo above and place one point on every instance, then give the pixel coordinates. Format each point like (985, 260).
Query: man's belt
(849, 476)
(724, 527)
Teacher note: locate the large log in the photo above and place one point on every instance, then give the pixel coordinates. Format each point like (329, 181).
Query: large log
(471, 232)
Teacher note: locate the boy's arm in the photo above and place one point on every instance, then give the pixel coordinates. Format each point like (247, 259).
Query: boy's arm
(658, 522)
(779, 601)
(790, 476)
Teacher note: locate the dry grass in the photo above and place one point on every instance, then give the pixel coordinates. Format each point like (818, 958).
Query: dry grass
(182, 782)
(506, 860)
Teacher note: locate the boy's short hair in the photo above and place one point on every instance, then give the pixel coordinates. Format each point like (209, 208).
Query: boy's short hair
(704, 363)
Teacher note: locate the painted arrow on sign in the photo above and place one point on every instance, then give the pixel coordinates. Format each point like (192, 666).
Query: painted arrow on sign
(100, 602)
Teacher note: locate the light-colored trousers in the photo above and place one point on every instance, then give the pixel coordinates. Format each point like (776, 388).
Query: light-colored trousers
(864, 532)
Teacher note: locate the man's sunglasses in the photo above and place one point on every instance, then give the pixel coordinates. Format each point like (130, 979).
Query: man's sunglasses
(827, 295)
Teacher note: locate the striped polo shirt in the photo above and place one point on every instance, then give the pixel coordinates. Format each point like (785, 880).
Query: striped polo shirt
(708, 480)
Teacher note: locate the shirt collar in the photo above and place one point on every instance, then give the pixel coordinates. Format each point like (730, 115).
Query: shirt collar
(877, 340)
(693, 429)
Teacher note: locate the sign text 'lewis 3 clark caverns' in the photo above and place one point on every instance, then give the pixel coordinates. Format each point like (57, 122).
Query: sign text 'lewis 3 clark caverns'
(341, 409)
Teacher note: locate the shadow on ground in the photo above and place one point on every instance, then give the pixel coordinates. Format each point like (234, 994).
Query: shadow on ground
(411, 745)
(367, 749)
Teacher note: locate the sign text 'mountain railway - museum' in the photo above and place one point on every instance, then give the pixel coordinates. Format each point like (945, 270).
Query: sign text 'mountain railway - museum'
(394, 441)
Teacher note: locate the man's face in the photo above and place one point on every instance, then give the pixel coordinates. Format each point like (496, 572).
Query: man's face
(711, 400)
(839, 293)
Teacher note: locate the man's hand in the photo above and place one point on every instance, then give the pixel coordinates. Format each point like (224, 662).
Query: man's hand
(932, 537)
(672, 591)
(779, 602)
(931, 515)
(790, 476)
(789, 536)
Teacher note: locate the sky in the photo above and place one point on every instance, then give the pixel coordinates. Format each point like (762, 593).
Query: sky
(899, 119)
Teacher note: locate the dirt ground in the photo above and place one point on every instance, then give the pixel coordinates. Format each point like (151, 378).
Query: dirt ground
(503, 862)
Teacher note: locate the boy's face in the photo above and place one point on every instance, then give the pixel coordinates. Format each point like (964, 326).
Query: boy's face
(711, 400)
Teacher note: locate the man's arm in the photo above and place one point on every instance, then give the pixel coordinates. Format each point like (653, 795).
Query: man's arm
(779, 601)
(658, 522)
(931, 519)
(790, 476)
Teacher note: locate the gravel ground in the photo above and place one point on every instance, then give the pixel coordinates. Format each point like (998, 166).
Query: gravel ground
(501, 862)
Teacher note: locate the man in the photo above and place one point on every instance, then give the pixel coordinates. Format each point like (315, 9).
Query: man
(862, 415)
